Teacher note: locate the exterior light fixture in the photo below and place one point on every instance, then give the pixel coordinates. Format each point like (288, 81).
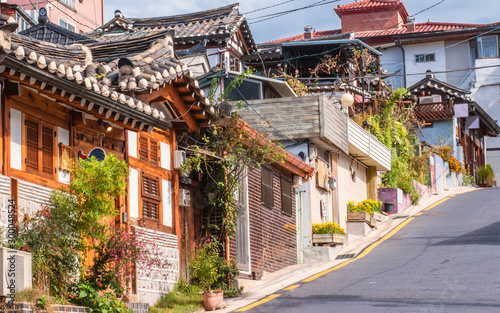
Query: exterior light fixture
(104, 125)
(346, 100)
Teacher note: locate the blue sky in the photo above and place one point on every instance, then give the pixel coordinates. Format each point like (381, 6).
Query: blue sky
(320, 18)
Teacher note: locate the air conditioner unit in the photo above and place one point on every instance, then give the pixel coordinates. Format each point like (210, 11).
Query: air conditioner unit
(15, 270)
(184, 198)
(179, 159)
(436, 98)
(426, 99)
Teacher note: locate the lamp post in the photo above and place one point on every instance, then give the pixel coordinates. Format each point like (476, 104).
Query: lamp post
(346, 100)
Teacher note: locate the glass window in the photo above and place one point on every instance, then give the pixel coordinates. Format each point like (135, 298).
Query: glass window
(487, 47)
(430, 57)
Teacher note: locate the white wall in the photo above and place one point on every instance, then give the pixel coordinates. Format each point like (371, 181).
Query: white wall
(420, 68)
(392, 61)
(457, 57)
(348, 190)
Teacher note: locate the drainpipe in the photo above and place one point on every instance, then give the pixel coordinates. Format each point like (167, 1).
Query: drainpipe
(398, 43)
(298, 222)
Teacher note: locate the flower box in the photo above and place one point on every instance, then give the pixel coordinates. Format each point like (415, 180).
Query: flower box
(337, 239)
(361, 217)
(358, 217)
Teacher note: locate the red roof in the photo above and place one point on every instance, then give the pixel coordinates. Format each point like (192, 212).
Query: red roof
(419, 28)
(372, 5)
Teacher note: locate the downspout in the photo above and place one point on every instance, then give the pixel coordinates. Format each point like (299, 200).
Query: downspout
(298, 222)
(398, 43)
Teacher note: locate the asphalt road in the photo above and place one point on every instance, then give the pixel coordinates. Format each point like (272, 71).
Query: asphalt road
(447, 259)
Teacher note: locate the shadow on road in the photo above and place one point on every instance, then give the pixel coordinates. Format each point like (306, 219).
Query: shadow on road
(489, 235)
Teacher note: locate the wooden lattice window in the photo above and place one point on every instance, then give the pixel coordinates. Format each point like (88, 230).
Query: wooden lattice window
(267, 196)
(150, 197)
(148, 149)
(40, 146)
(286, 195)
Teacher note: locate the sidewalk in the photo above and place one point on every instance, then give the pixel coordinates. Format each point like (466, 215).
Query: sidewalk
(273, 282)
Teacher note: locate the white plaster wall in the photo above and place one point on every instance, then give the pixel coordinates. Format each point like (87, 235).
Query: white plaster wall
(349, 190)
(457, 57)
(493, 158)
(166, 192)
(16, 139)
(392, 61)
(132, 143)
(62, 137)
(316, 195)
(133, 192)
(488, 72)
(165, 155)
(420, 68)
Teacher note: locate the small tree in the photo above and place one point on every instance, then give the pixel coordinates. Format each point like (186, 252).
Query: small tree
(59, 235)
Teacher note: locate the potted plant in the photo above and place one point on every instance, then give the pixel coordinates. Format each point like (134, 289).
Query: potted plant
(485, 175)
(205, 270)
(329, 232)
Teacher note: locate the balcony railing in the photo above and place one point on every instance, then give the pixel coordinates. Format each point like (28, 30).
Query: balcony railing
(435, 111)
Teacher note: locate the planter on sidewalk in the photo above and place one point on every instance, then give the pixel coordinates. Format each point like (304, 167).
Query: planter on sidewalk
(336, 239)
(361, 217)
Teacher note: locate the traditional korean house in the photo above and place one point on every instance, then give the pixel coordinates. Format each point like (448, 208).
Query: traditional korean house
(224, 32)
(450, 116)
(128, 98)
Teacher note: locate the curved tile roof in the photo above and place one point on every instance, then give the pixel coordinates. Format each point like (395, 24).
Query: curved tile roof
(219, 22)
(115, 76)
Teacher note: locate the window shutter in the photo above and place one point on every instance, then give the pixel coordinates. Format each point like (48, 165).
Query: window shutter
(47, 150)
(286, 195)
(153, 151)
(143, 148)
(31, 145)
(150, 197)
(267, 187)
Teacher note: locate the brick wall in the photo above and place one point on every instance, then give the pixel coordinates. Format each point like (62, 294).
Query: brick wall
(366, 21)
(273, 242)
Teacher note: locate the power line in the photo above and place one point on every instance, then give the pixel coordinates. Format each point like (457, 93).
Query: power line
(271, 6)
(275, 15)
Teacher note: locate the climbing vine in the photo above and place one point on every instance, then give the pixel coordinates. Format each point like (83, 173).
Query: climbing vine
(394, 125)
(223, 153)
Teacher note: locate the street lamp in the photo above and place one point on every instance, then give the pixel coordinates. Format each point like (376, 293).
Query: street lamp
(346, 100)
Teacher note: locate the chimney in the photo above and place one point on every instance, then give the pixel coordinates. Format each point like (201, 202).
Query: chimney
(410, 24)
(308, 32)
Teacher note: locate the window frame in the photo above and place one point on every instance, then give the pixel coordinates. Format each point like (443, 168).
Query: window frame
(40, 147)
(150, 197)
(284, 196)
(264, 185)
(68, 24)
(425, 57)
(479, 47)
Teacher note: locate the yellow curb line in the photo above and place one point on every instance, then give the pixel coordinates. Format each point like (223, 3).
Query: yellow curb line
(418, 214)
(469, 191)
(251, 306)
(291, 287)
(362, 254)
(436, 204)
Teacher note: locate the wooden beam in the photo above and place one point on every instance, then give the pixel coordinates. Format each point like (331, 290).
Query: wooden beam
(171, 94)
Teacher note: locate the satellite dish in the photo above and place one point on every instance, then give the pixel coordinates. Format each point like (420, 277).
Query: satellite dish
(224, 109)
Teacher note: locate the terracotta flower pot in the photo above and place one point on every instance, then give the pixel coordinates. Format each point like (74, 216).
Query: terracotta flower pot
(213, 300)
